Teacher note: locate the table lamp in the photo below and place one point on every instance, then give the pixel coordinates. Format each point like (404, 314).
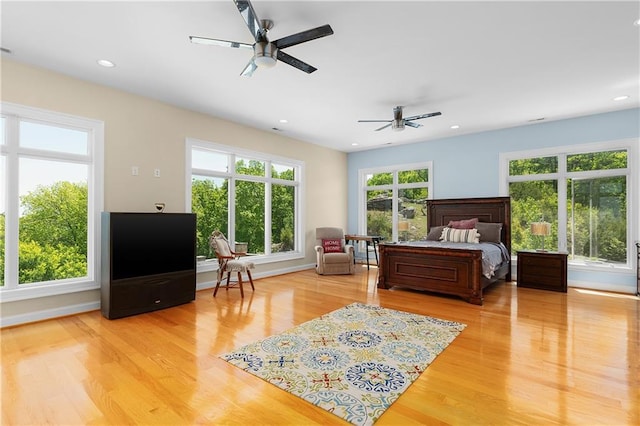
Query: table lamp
(541, 229)
(403, 227)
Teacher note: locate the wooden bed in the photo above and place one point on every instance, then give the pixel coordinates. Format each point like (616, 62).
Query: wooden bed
(444, 270)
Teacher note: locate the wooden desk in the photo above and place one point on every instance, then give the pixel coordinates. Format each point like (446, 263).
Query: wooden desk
(368, 239)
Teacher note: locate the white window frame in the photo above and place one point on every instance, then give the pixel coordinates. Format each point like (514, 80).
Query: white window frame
(234, 152)
(394, 187)
(94, 160)
(631, 173)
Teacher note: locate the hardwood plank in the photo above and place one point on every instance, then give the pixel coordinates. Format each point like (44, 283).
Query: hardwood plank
(526, 357)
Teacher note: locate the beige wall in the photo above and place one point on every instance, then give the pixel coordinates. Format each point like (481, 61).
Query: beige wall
(150, 134)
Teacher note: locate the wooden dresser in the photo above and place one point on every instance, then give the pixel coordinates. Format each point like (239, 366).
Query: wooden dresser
(544, 270)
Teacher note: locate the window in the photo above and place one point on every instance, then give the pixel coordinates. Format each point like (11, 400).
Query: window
(393, 201)
(584, 192)
(50, 202)
(252, 199)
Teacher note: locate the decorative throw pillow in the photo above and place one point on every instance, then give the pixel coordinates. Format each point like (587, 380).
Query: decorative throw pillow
(434, 233)
(489, 232)
(332, 245)
(463, 224)
(460, 235)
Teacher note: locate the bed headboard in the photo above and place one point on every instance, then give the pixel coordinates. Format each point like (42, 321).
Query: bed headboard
(492, 209)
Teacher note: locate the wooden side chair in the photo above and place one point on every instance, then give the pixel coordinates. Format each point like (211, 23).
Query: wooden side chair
(229, 261)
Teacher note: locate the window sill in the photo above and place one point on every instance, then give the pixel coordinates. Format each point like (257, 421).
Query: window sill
(34, 291)
(211, 265)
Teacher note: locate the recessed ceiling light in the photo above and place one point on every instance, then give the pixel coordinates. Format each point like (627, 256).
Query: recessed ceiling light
(105, 63)
(284, 120)
(455, 126)
(636, 22)
(621, 98)
(355, 144)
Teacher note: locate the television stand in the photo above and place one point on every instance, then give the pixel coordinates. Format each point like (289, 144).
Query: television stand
(138, 295)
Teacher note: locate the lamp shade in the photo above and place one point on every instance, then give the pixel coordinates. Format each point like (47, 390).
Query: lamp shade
(541, 228)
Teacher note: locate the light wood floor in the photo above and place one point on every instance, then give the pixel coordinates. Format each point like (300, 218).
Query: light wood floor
(526, 357)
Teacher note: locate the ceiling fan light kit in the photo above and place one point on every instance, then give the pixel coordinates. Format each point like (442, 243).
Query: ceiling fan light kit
(266, 53)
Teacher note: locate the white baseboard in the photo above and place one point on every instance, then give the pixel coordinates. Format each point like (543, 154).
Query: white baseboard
(615, 288)
(46, 314)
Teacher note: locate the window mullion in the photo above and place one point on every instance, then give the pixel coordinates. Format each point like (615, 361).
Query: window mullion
(394, 207)
(12, 204)
(562, 203)
(267, 218)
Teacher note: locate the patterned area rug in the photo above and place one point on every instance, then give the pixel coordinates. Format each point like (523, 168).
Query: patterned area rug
(353, 362)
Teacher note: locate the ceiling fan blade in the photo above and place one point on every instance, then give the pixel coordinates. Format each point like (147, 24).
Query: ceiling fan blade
(251, 19)
(418, 117)
(216, 42)
(303, 36)
(412, 124)
(383, 127)
(374, 121)
(296, 63)
(249, 69)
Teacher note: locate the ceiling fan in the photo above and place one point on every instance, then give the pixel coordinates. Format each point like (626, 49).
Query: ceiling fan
(265, 52)
(398, 122)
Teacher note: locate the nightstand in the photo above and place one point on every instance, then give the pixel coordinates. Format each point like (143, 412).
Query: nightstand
(544, 270)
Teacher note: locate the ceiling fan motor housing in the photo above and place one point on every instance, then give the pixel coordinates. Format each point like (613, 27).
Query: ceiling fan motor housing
(397, 125)
(265, 54)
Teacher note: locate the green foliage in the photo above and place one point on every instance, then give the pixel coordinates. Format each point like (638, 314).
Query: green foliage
(282, 217)
(380, 179)
(250, 214)
(56, 215)
(596, 207)
(531, 202)
(533, 166)
(597, 219)
(52, 234)
(606, 160)
(209, 203)
(379, 223)
(46, 262)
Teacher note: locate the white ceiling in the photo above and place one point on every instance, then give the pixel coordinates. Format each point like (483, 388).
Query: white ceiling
(484, 65)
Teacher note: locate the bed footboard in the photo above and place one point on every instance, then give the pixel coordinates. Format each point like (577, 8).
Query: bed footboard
(449, 271)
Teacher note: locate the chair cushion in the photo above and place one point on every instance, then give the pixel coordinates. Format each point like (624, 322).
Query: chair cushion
(239, 265)
(332, 258)
(332, 245)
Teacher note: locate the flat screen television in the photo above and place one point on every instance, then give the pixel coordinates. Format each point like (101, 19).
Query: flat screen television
(151, 243)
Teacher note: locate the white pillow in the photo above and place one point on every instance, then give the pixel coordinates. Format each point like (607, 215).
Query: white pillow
(460, 235)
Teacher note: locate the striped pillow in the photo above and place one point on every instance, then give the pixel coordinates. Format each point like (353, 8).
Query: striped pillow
(460, 235)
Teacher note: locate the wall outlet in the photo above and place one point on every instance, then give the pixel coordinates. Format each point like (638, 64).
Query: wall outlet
(156, 172)
(135, 171)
